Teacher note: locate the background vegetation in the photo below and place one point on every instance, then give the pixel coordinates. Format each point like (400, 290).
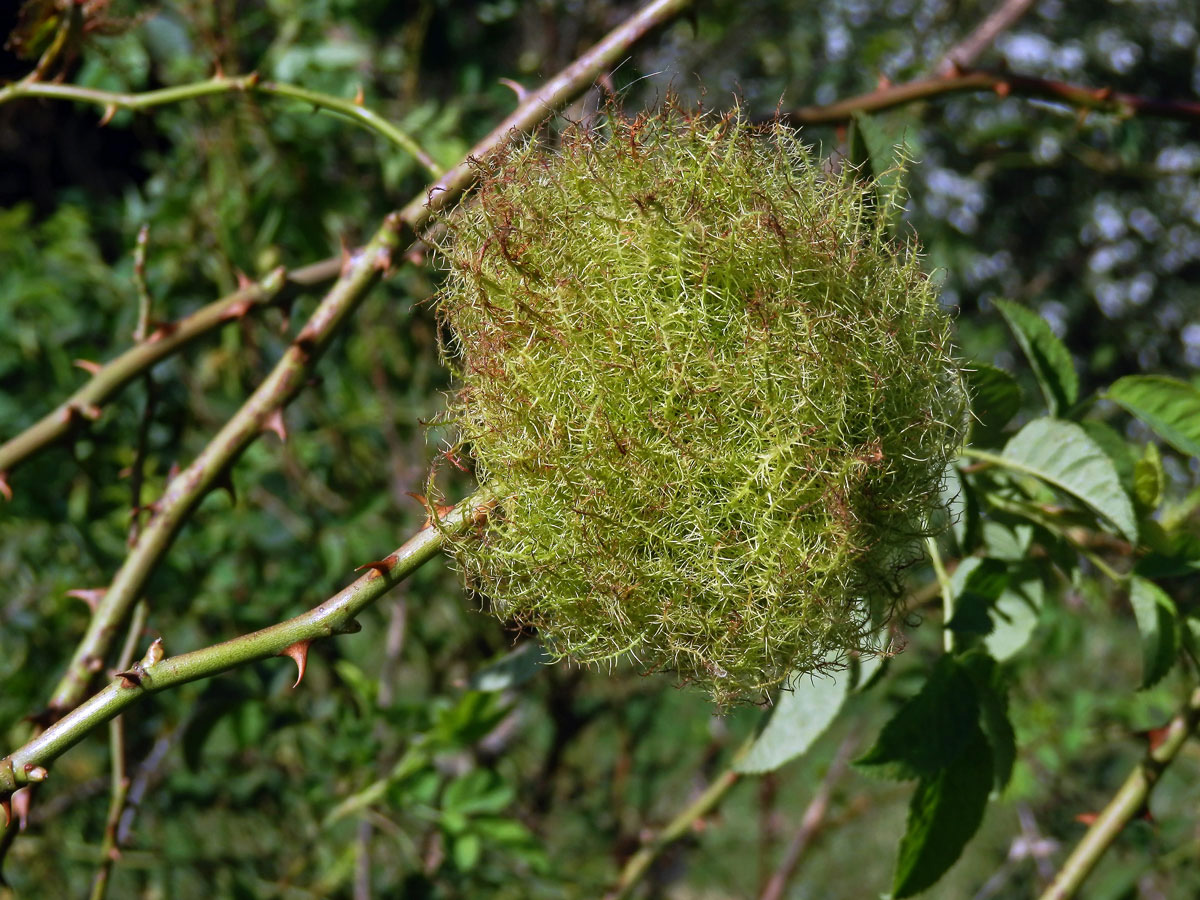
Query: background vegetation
(407, 763)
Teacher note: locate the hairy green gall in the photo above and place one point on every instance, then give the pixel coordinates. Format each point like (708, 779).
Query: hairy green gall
(717, 398)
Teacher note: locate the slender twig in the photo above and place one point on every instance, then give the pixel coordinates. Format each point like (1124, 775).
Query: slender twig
(947, 589)
(119, 791)
(811, 822)
(263, 410)
(163, 341)
(1104, 100)
(155, 673)
(969, 49)
(679, 827)
(1129, 802)
(111, 101)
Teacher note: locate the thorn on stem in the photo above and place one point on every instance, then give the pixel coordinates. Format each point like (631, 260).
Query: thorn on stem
(88, 410)
(22, 801)
(88, 366)
(109, 111)
(430, 511)
(238, 308)
(517, 88)
(274, 422)
(5, 490)
(245, 282)
(131, 678)
(224, 482)
(358, 96)
(90, 596)
(298, 653)
(378, 566)
(350, 626)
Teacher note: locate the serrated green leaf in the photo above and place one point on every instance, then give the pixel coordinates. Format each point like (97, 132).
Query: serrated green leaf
(991, 690)
(930, 731)
(1115, 448)
(946, 811)
(801, 716)
(1061, 454)
(1149, 480)
(995, 399)
(1169, 406)
(1158, 623)
(1049, 357)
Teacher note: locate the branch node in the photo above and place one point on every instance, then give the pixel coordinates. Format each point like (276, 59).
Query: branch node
(34, 774)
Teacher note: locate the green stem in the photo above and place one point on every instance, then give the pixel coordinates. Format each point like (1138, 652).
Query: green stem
(164, 341)
(1129, 802)
(638, 864)
(152, 675)
(207, 470)
(223, 84)
(119, 790)
(943, 580)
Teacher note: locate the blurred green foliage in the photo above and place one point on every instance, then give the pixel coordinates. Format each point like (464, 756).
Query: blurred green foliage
(384, 774)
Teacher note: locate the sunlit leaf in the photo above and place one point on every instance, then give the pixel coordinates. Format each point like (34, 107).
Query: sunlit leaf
(801, 716)
(1169, 406)
(1064, 456)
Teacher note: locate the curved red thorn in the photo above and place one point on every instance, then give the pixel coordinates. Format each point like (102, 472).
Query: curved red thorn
(22, 800)
(88, 411)
(517, 88)
(378, 566)
(298, 653)
(238, 308)
(109, 112)
(244, 281)
(90, 596)
(88, 366)
(274, 422)
(5, 490)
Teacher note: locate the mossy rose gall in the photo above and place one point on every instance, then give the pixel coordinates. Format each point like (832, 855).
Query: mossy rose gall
(716, 397)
